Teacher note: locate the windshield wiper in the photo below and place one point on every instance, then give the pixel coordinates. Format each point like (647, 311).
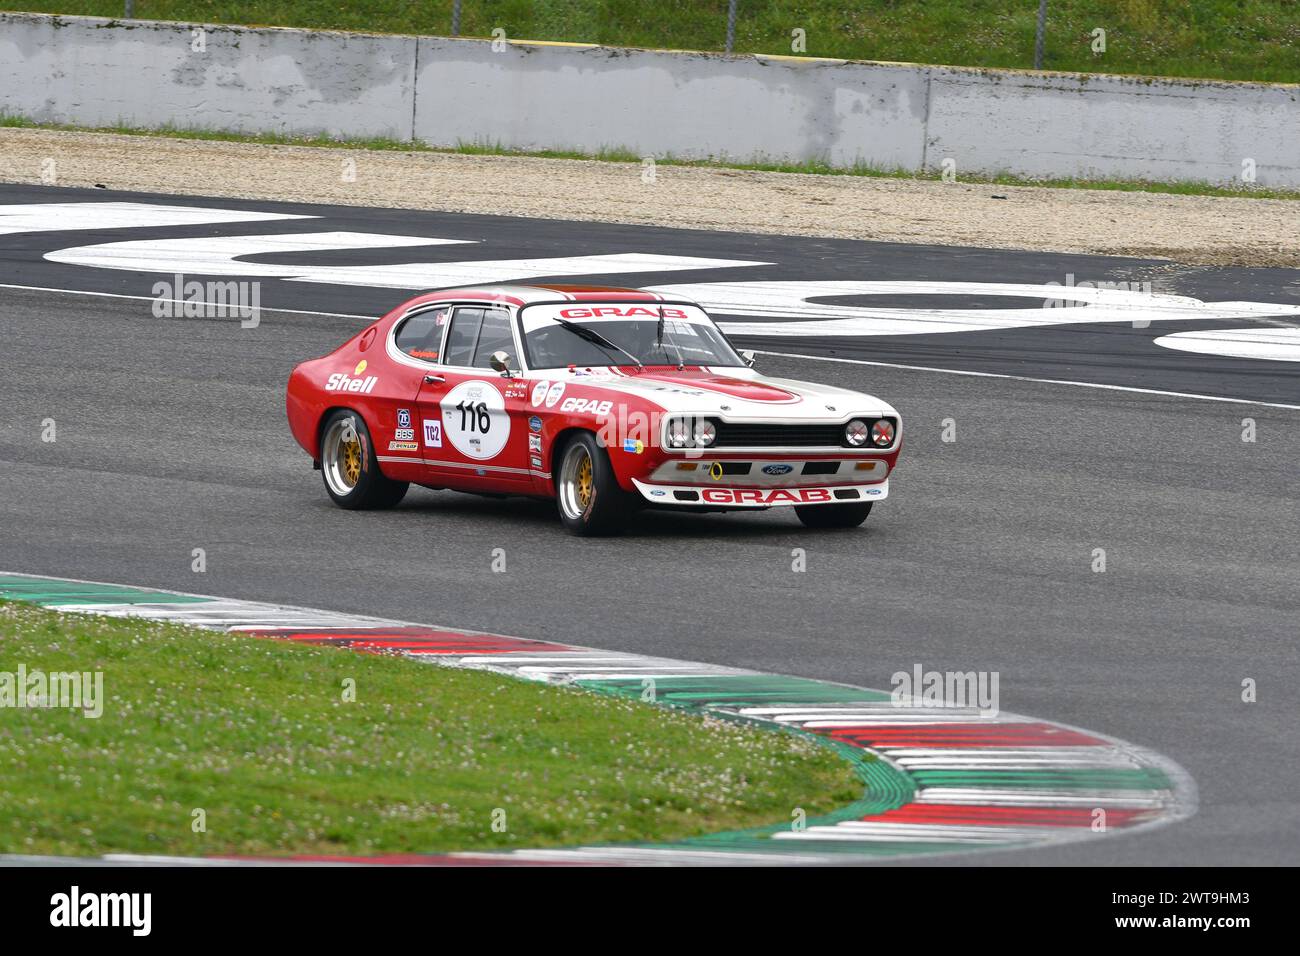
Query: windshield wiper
(659, 340)
(595, 338)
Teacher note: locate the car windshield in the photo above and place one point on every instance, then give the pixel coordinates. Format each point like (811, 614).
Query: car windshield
(622, 333)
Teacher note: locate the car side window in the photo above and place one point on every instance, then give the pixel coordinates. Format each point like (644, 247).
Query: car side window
(421, 335)
(494, 335)
(463, 335)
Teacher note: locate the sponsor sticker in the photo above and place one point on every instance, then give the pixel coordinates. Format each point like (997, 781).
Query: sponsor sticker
(340, 382)
(592, 406)
(633, 446)
(432, 433)
(758, 496)
(403, 418)
(536, 462)
(621, 311)
(539, 393)
(403, 446)
(534, 424)
(777, 469)
(535, 443)
(404, 434)
(474, 419)
(553, 394)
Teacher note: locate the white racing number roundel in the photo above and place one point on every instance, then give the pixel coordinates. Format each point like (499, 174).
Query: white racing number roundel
(474, 419)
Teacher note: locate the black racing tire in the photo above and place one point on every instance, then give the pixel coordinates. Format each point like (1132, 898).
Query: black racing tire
(351, 468)
(587, 494)
(834, 516)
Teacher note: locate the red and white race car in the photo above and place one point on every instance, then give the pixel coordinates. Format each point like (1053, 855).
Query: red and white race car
(605, 399)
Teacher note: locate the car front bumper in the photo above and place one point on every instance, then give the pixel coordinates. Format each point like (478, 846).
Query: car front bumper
(735, 496)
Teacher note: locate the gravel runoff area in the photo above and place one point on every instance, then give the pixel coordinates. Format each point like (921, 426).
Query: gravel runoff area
(1195, 230)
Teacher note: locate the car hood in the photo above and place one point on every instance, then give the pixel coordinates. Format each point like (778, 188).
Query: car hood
(734, 392)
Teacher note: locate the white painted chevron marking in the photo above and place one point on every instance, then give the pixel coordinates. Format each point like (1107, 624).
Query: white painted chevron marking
(1266, 344)
(789, 300)
(61, 216)
(219, 255)
(227, 256)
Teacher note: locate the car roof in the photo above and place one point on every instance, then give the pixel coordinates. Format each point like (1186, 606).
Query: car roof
(521, 295)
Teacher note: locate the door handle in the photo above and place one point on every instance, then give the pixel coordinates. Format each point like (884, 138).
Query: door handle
(434, 379)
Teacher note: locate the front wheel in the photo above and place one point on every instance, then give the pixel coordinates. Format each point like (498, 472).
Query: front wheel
(834, 516)
(586, 491)
(351, 470)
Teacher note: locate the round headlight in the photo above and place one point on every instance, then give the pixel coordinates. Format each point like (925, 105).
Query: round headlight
(679, 433)
(855, 432)
(706, 433)
(882, 433)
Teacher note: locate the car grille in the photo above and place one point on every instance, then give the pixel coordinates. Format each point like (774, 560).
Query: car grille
(772, 435)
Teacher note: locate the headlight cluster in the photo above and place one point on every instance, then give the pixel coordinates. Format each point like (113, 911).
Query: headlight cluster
(691, 433)
(858, 432)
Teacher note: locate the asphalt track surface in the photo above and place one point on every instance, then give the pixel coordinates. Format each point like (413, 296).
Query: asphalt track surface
(171, 436)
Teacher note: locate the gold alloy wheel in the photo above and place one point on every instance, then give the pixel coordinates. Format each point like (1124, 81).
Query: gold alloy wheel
(584, 482)
(351, 455)
(341, 452)
(576, 488)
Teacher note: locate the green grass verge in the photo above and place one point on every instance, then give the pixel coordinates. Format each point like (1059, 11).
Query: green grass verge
(256, 733)
(621, 155)
(1224, 39)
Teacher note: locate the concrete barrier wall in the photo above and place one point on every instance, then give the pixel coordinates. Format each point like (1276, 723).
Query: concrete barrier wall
(92, 72)
(96, 72)
(1094, 127)
(688, 105)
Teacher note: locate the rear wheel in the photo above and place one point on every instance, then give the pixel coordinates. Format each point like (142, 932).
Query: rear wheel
(834, 516)
(586, 491)
(350, 468)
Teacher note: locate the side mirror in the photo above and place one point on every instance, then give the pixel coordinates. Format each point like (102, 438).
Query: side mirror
(500, 362)
(748, 356)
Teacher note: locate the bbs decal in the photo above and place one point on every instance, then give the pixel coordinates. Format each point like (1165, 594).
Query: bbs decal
(474, 419)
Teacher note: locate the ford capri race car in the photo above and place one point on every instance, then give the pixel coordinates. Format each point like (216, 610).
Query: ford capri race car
(607, 400)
